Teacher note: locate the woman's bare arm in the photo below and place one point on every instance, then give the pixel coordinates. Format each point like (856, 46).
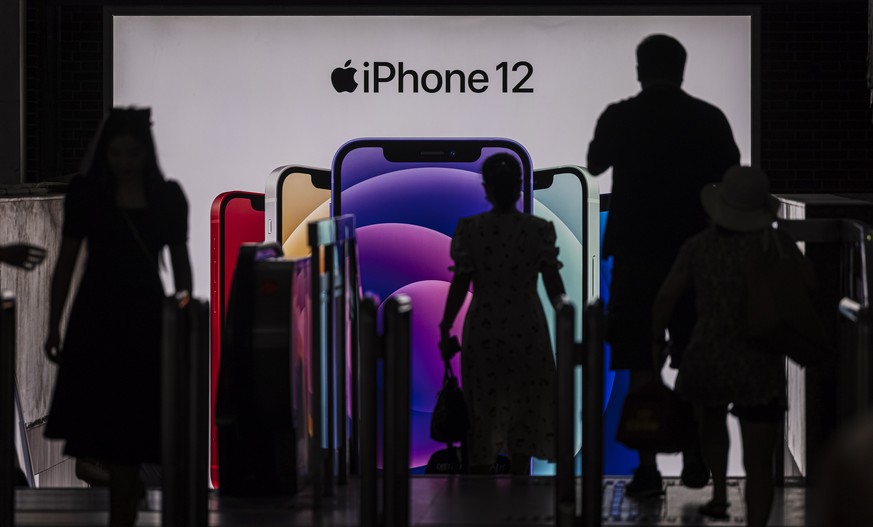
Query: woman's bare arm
(181, 262)
(454, 300)
(60, 289)
(553, 282)
(676, 283)
(182, 278)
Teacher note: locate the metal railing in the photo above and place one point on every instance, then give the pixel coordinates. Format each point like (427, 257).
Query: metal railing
(856, 306)
(860, 314)
(857, 272)
(393, 347)
(7, 409)
(588, 354)
(185, 414)
(850, 371)
(184, 407)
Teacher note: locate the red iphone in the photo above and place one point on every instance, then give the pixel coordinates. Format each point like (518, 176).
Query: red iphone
(237, 217)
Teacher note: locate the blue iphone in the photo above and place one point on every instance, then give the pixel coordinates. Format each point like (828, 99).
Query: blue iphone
(568, 196)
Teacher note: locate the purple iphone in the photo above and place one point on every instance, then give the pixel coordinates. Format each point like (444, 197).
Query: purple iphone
(407, 196)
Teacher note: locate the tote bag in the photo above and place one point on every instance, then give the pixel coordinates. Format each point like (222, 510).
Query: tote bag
(653, 418)
(780, 314)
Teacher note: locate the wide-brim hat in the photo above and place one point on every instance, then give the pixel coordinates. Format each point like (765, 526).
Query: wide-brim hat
(742, 201)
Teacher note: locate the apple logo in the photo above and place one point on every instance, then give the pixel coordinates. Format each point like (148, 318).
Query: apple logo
(343, 79)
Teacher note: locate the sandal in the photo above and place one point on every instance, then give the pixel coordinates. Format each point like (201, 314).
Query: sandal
(714, 510)
(646, 483)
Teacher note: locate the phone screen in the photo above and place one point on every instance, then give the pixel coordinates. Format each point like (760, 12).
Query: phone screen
(407, 197)
(295, 197)
(237, 218)
(569, 198)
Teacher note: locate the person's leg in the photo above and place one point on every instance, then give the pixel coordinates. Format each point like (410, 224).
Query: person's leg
(635, 282)
(520, 464)
(646, 481)
(479, 465)
(759, 441)
(637, 379)
(125, 491)
(695, 473)
(714, 445)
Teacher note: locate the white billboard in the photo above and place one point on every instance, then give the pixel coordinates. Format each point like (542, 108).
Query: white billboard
(233, 97)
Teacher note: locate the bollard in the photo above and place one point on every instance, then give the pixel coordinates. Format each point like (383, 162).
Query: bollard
(864, 348)
(334, 303)
(7, 408)
(185, 406)
(592, 417)
(319, 233)
(369, 350)
(569, 355)
(344, 300)
(343, 313)
(331, 364)
(394, 348)
(173, 427)
(355, 374)
(398, 310)
(565, 481)
(198, 393)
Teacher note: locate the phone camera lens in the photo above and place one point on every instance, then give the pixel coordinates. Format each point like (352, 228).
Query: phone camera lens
(452, 153)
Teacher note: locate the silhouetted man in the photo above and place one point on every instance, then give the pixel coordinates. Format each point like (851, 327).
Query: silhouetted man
(663, 146)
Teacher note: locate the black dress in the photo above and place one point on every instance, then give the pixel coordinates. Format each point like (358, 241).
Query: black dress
(106, 403)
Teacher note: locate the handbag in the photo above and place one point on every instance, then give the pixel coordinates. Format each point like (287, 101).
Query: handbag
(450, 421)
(653, 418)
(780, 313)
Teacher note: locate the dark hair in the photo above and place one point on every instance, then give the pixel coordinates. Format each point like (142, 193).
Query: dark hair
(135, 122)
(501, 174)
(661, 57)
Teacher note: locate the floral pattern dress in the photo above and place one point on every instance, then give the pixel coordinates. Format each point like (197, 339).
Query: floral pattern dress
(507, 365)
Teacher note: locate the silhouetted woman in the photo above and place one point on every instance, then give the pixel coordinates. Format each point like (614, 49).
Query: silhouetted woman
(106, 403)
(507, 366)
(722, 366)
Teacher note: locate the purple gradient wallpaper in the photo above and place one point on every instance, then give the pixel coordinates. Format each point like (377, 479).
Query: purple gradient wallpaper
(405, 215)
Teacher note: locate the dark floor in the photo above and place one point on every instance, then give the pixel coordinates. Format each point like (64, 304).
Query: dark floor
(436, 501)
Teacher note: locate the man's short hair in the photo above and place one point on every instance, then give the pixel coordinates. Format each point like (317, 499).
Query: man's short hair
(661, 57)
